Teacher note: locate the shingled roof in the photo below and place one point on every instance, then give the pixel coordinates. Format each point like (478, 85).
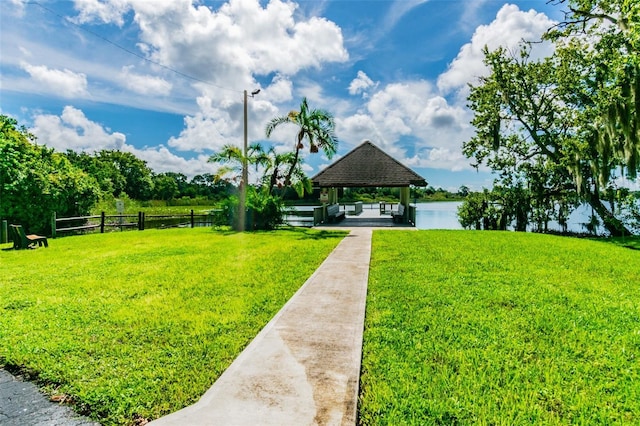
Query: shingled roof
(367, 165)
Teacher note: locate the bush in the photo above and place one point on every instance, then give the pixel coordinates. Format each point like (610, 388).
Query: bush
(35, 181)
(264, 211)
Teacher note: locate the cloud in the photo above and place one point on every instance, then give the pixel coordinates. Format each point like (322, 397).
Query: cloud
(209, 129)
(63, 82)
(97, 11)
(411, 120)
(18, 10)
(510, 27)
(280, 89)
(398, 9)
(144, 84)
(440, 158)
(160, 159)
(217, 124)
(361, 84)
(229, 45)
(73, 130)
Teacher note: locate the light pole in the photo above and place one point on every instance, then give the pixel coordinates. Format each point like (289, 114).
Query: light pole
(245, 169)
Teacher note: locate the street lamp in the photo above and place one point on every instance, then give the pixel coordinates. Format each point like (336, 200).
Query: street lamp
(245, 172)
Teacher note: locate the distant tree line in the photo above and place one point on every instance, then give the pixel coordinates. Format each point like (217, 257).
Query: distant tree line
(387, 194)
(119, 173)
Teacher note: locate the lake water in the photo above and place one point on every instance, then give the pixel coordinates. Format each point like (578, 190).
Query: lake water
(438, 215)
(444, 215)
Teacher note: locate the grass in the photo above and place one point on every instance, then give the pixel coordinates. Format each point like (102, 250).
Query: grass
(153, 207)
(135, 325)
(500, 328)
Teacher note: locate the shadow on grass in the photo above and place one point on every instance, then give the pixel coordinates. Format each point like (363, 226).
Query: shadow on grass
(301, 233)
(632, 243)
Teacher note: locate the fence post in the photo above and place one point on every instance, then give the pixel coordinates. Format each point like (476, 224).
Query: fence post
(193, 224)
(3, 232)
(140, 225)
(54, 225)
(102, 222)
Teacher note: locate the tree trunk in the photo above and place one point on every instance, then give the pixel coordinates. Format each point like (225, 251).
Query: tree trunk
(287, 180)
(611, 223)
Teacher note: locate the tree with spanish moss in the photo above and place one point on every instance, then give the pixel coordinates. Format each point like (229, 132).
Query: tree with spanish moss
(568, 124)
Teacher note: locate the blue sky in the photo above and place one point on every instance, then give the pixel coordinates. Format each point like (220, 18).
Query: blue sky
(164, 79)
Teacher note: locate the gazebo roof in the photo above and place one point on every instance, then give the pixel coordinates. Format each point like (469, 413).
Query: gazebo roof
(365, 166)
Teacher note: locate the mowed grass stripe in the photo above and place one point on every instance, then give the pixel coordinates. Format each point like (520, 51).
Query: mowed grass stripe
(500, 328)
(136, 325)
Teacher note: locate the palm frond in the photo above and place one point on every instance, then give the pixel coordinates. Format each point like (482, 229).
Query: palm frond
(274, 123)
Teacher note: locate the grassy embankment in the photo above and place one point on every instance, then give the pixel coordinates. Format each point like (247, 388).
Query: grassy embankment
(501, 328)
(135, 325)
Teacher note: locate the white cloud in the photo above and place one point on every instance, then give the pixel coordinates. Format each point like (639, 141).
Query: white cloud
(110, 12)
(209, 129)
(280, 89)
(19, 7)
(398, 9)
(73, 130)
(413, 123)
(144, 84)
(508, 30)
(65, 82)
(160, 159)
(361, 84)
(440, 158)
(229, 45)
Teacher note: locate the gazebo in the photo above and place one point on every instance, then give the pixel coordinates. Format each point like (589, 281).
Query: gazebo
(368, 166)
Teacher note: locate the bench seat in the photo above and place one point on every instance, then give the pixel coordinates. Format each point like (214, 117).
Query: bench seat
(334, 214)
(398, 215)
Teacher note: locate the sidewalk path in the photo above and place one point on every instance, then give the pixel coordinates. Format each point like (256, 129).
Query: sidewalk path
(303, 368)
(22, 404)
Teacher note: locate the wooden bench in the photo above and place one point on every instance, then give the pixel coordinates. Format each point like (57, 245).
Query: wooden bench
(334, 214)
(23, 241)
(398, 215)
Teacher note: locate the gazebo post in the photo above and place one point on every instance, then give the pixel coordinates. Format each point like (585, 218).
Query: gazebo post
(405, 197)
(333, 195)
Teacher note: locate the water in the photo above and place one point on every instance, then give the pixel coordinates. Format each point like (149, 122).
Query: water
(444, 215)
(438, 215)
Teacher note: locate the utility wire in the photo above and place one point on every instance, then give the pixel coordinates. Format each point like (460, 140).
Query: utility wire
(131, 52)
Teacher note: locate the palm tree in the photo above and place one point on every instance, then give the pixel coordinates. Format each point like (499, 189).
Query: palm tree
(317, 126)
(231, 157)
(275, 166)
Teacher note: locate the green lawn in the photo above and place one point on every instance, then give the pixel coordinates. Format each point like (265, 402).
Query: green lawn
(500, 328)
(135, 325)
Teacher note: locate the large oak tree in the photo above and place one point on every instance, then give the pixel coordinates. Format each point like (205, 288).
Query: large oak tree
(566, 126)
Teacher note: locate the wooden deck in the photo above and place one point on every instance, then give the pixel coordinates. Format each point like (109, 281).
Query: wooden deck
(369, 218)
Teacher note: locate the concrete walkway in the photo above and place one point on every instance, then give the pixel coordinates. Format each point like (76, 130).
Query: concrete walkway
(303, 368)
